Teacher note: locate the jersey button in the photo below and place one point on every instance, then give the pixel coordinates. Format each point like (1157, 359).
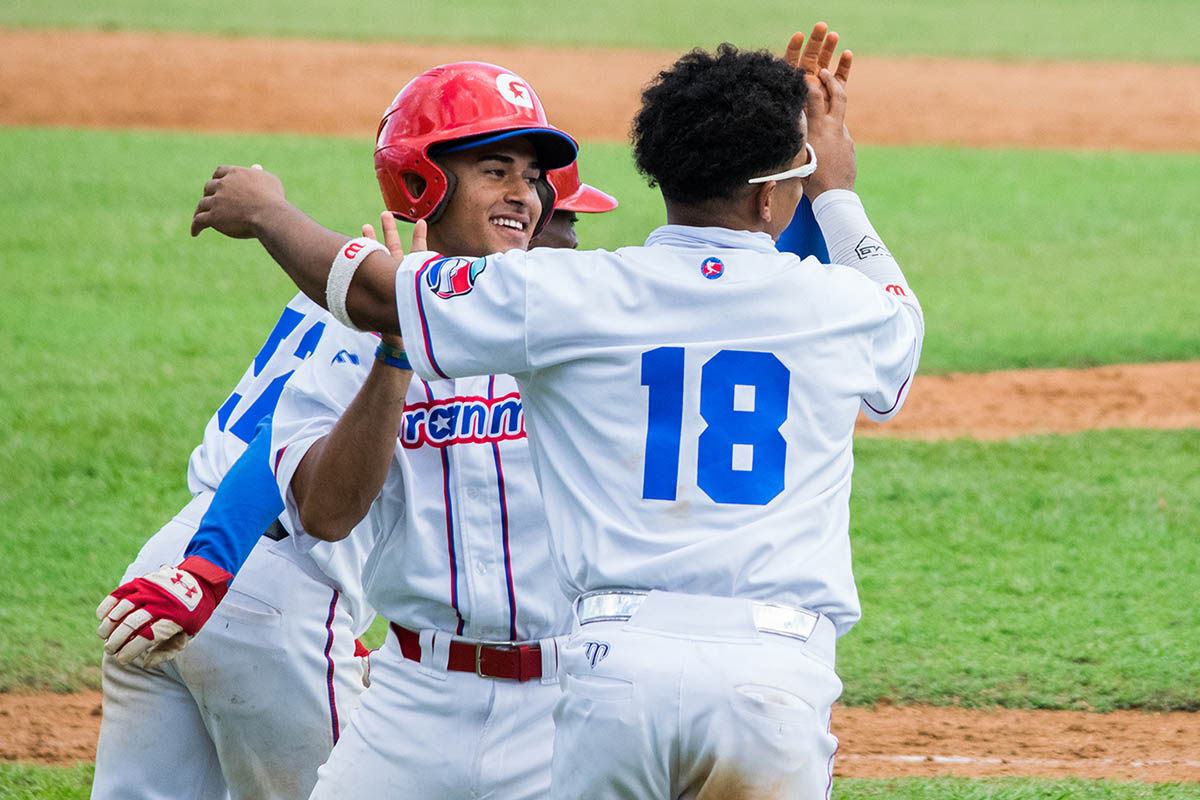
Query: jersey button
(481, 567)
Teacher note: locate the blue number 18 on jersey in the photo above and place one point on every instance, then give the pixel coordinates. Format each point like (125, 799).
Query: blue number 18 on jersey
(744, 400)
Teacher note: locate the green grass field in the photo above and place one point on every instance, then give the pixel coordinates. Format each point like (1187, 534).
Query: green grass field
(44, 783)
(1125, 30)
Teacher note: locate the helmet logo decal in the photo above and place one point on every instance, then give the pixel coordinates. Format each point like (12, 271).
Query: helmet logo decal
(514, 90)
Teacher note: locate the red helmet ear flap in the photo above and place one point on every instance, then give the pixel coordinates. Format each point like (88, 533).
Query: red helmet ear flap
(413, 185)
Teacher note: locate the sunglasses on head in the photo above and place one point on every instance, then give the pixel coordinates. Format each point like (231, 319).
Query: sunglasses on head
(802, 171)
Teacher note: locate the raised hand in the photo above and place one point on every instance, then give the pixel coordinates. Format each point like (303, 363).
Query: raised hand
(234, 199)
(818, 55)
(391, 236)
(829, 137)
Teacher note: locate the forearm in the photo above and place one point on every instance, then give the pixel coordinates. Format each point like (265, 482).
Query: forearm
(306, 249)
(852, 239)
(853, 242)
(342, 473)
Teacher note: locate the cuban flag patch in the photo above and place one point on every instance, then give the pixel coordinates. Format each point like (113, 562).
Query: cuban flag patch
(454, 276)
(712, 268)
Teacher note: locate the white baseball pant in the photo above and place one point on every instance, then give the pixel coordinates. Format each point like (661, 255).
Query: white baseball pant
(423, 731)
(687, 699)
(251, 707)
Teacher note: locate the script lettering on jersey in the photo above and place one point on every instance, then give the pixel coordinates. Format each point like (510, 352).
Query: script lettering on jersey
(463, 420)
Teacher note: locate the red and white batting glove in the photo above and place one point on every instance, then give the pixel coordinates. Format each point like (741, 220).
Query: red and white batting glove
(152, 618)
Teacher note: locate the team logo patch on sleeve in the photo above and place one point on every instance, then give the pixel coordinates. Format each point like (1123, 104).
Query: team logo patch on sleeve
(712, 268)
(451, 277)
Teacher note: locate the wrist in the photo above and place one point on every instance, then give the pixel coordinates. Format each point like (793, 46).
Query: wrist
(215, 579)
(272, 215)
(392, 356)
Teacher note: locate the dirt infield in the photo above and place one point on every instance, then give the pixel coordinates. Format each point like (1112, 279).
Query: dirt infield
(181, 82)
(997, 405)
(875, 743)
(189, 82)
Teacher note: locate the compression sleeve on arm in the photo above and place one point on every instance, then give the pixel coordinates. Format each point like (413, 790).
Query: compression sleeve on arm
(246, 502)
(852, 239)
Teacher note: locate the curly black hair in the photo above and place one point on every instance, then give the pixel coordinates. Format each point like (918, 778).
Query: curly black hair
(712, 121)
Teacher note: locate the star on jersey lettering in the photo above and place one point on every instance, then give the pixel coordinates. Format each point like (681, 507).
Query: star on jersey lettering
(441, 423)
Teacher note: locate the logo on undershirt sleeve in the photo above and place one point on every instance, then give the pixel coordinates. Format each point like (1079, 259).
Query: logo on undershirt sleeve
(869, 246)
(454, 276)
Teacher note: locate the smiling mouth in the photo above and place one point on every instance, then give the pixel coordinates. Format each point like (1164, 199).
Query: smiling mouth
(505, 222)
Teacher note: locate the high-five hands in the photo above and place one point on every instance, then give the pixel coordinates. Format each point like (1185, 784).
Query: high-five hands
(818, 55)
(826, 108)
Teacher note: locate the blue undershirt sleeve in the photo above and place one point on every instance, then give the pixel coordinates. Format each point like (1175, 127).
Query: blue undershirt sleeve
(246, 502)
(803, 235)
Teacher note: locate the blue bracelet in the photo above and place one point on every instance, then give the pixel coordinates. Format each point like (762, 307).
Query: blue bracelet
(392, 356)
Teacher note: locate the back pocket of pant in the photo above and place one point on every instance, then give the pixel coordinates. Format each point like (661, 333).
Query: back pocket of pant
(772, 703)
(597, 687)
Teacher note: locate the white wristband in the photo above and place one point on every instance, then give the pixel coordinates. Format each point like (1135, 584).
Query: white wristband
(337, 285)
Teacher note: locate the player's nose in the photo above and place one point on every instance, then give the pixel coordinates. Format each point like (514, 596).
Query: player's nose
(521, 192)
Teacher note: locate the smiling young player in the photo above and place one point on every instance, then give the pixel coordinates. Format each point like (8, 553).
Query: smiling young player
(462, 692)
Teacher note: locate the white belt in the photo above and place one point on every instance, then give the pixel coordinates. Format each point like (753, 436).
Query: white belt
(609, 606)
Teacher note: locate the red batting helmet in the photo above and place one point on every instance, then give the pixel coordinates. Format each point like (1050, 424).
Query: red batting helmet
(468, 103)
(571, 195)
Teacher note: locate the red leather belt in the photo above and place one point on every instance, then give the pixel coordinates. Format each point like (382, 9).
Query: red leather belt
(515, 662)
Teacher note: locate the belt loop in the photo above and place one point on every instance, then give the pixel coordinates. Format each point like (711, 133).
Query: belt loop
(550, 659)
(435, 653)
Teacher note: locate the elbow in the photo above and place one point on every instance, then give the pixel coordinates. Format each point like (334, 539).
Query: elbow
(321, 524)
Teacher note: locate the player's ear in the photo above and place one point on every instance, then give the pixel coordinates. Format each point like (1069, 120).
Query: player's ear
(764, 200)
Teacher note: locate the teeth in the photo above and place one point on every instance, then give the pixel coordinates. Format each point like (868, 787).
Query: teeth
(508, 223)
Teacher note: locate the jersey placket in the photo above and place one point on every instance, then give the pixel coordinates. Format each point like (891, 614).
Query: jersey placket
(483, 588)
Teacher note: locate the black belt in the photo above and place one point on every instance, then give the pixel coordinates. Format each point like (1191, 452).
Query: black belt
(275, 531)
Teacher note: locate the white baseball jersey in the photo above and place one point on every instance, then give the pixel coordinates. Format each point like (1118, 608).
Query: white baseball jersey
(459, 530)
(691, 402)
(301, 327)
(293, 339)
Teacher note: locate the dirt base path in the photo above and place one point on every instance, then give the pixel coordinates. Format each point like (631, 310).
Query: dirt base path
(875, 743)
(190, 82)
(997, 405)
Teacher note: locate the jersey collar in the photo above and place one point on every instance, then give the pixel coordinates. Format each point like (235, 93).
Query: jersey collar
(707, 238)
